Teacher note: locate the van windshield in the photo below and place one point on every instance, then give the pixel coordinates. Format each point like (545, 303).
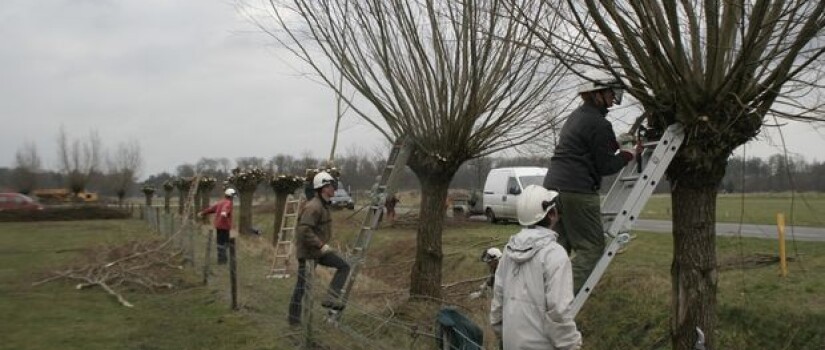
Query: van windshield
(537, 180)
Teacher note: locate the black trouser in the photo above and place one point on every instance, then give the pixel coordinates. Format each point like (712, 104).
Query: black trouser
(222, 243)
(341, 273)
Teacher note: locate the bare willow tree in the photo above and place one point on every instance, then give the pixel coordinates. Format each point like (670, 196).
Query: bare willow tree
(456, 77)
(27, 164)
(79, 158)
(124, 165)
(722, 69)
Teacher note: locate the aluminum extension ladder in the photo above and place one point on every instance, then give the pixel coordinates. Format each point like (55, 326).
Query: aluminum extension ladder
(385, 185)
(627, 197)
(286, 236)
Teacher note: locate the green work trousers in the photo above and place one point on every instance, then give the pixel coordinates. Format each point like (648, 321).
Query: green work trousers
(580, 231)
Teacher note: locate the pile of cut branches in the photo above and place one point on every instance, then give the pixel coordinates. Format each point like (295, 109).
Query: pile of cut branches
(147, 265)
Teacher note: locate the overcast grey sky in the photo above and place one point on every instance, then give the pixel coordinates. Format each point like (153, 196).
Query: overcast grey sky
(186, 79)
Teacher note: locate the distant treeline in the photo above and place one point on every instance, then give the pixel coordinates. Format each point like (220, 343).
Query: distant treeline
(773, 174)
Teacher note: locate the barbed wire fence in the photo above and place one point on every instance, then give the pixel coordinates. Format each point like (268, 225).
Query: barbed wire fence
(370, 321)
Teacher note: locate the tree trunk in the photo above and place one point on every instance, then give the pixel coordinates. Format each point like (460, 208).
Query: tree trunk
(120, 196)
(181, 201)
(694, 274)
(148, 199)
(167, 200)
(204, 205)
(280, 204)
(245, 219)
(425, 279)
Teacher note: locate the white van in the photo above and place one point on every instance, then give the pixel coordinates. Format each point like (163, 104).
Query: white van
(502, 188)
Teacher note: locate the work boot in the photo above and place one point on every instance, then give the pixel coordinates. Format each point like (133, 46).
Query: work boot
(222, 255)
(334, 304)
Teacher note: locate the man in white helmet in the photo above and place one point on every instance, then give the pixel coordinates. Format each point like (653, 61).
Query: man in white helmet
(534, 281)
(490, 256)
(313, 235)
(586, 151)
(223, 222)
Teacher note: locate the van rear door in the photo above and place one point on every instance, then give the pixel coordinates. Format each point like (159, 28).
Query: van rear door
(510, 198)
(494, 189)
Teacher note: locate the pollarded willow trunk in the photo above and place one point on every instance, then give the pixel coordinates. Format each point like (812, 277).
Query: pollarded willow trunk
(181, 200)
(205, 186)
(425, 279)
(696, 174)
(120, 195)
(204, 204)
(280, 204)
(148, 193)
(246, 181)
(283, 185)
(245, 217)
(693, 272)
(184, 185)
(167, 202)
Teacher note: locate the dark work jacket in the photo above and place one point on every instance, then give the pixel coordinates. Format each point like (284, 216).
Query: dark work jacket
(586, 151)
(314, 229)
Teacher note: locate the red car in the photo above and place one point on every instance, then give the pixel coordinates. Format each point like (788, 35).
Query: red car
(17, 201)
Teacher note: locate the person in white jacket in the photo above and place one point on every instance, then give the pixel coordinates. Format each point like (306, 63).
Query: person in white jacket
(534, 281)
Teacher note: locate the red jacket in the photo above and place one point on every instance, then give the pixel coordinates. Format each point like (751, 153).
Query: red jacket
(223, 214)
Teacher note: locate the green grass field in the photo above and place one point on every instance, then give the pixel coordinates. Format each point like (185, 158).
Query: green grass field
(803, 209)
(629, 309)
(56, 315)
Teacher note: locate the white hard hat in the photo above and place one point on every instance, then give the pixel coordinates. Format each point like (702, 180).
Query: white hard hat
(597, 80)
(491, 254)
(322, 179)
(534, 203)
(229, 192)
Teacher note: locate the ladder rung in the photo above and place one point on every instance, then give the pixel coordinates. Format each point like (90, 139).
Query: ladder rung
(283, 256)
(630, 178)
(390, 166)
(366, 228)
(651, 144)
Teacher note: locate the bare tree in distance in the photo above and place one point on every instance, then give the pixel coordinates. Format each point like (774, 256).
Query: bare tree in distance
(185, 170)
(250, 163)
(27, 165)
(79, 158)
(437, 72)
(720, 68)
(124, 167)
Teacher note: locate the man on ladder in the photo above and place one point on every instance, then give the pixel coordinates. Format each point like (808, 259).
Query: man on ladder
(586, 151)
(313, 233)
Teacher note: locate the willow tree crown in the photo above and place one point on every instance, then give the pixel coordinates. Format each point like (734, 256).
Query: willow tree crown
(743, 58)
(461, 78)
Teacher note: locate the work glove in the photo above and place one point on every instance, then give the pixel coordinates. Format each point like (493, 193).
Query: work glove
(477, 294)
(325, 249)
(626, 141)
(626, 155)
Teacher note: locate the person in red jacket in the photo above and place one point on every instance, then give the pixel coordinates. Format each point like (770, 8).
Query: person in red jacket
(223, 222)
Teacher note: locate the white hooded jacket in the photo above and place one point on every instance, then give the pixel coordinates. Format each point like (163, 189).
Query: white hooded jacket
(532, 293)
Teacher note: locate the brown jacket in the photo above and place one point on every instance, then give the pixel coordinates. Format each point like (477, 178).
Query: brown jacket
(314, 229)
